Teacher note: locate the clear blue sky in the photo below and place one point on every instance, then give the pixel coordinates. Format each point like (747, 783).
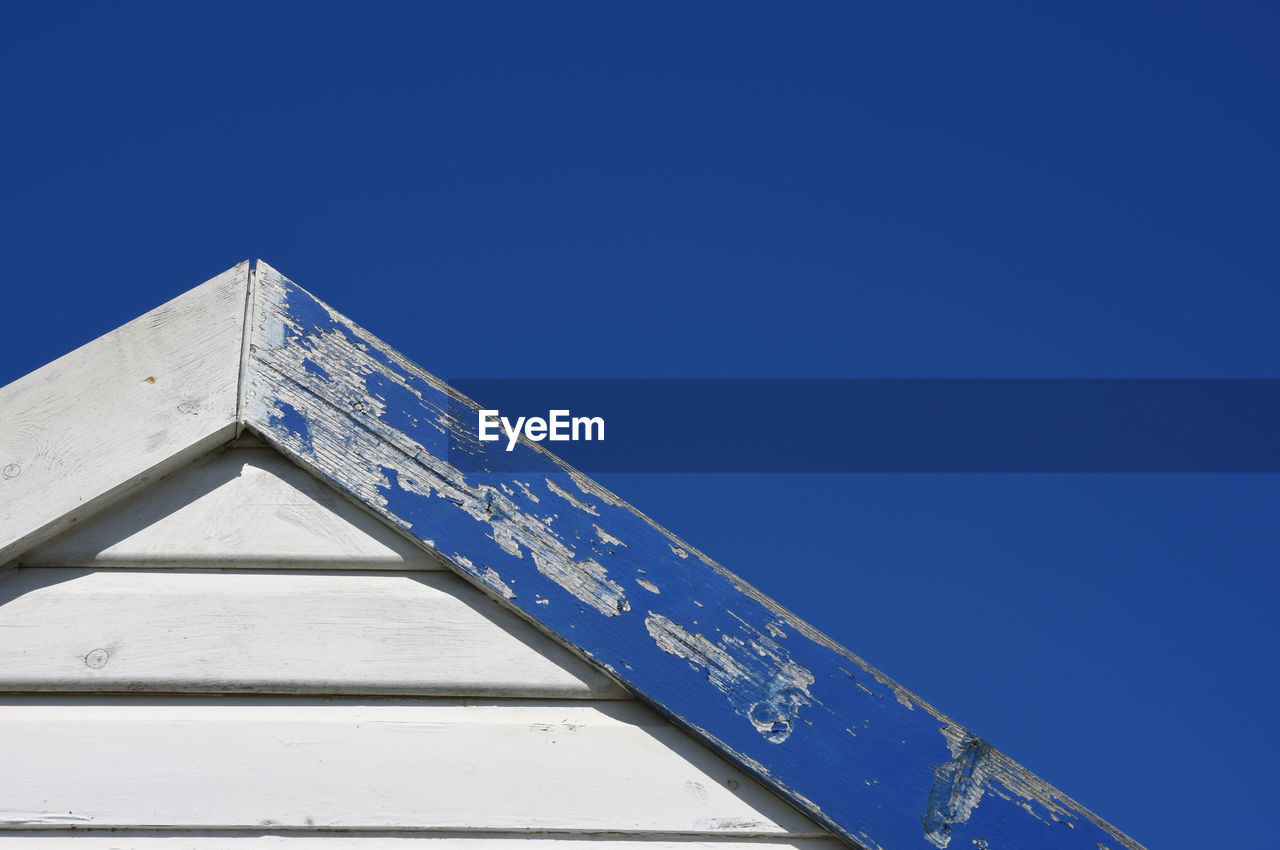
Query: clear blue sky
(815, 189)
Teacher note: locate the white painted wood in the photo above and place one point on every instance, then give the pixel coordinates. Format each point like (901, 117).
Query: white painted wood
(242, 508)
(242, 574)
(612, 767)
(120, 411)
(426, 633)
(116, 840)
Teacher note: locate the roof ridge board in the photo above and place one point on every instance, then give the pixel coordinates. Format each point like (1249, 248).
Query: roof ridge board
(250, 303)
(816, 724)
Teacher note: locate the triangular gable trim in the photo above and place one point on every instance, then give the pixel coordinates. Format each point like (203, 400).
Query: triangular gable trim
(121, 411)
(809, 719)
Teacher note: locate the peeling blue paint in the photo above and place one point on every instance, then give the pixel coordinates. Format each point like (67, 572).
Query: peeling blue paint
(314, 368)
(755, 674)
(809, 719)
(287, 417)
(957, 789)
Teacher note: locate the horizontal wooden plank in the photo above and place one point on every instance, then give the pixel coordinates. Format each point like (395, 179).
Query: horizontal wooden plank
(243, 508)
(120, 411)
(233, 762)
(289, 632)
(148, 840)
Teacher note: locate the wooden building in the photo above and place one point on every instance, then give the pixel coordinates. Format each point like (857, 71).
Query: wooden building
(247, 601)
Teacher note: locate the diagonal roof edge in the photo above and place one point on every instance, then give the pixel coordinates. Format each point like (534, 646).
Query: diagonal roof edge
(814, 722)
(250, 348)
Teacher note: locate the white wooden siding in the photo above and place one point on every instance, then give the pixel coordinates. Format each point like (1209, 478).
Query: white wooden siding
(426, 633)
(245, 508)
(255, 840)
(549, 766)
(245, 578)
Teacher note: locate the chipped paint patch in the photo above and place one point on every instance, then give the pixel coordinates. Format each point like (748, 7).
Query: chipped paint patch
(570, 498)
(593, 490)
(648, 585)
(992, 772)
(765, 687)
(490, 577)
(587, 580)
(506, 538)
(607, 538)
(678, 551)
(957, 789)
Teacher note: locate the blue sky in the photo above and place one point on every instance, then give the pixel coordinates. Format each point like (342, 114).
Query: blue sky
(752, 190)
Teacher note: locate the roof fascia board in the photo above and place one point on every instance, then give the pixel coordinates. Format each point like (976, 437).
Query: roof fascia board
(121, 411)
(812, 721)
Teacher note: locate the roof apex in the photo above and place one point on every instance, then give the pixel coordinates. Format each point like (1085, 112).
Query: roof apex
(251, 349)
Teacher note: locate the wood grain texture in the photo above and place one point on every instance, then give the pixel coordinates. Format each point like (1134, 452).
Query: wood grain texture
(293, 632)
(272, 764)
(816, 723)
(239, 509)
(120, 411)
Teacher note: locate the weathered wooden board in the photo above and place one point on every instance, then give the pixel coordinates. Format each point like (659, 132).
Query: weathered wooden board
(120, 411)
(239, 509)
(819, 725)
(615, 767)
(292, 632)
(308, 840)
